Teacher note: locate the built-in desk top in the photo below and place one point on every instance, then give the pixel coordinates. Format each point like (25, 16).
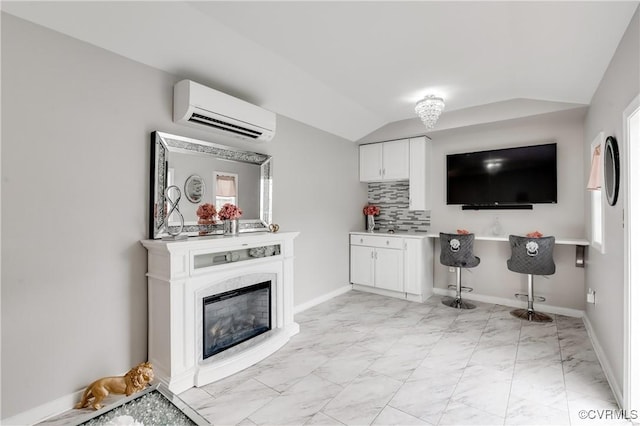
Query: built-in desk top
(559, 240)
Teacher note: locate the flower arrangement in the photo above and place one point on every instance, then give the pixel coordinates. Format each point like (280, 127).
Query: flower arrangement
(370, 209)
(534, 234)
(206, 211)
(229, 212)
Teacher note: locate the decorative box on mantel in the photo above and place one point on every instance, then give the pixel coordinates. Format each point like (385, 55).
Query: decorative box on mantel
(218, 304)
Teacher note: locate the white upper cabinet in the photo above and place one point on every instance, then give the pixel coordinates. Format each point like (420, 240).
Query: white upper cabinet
(395, 160)
(420, 174)
(370, 162)
(384, 161)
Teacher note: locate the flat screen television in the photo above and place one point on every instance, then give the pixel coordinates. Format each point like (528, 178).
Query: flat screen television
(518, 176)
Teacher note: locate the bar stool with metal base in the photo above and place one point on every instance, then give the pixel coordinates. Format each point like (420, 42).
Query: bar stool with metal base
(531, 256)
(457, 250)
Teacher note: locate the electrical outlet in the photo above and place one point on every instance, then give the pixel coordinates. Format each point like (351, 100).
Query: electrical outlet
(452, 269)
(591, 296)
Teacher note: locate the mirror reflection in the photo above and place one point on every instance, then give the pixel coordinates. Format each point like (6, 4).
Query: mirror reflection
(208, 173)
(193, 188)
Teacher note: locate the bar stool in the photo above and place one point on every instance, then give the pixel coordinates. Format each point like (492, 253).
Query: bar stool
(457, 250)
(531, 256)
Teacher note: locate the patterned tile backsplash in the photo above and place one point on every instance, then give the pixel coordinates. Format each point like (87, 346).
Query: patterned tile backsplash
(393, 200)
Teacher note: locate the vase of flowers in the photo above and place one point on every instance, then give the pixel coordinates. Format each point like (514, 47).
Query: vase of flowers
(371, 211)
(230, 213)
(206, 216)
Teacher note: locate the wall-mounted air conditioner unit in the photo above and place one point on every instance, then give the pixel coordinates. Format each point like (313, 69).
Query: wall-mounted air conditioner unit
(200, 106)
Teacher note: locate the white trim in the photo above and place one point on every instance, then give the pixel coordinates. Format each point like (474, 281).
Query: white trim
(514, 303)
(604, 361)
(631, 298)
(321, 299)
(390, 293)
(44, 411)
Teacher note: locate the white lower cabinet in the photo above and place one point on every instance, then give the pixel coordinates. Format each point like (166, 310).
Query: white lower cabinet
(392, 265)
(362, 262)
(388, 269)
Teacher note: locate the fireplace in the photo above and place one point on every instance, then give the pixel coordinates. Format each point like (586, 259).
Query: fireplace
(235, 316)
(210, 319)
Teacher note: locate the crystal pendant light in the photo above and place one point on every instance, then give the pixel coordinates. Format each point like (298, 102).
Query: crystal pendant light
(429, 109)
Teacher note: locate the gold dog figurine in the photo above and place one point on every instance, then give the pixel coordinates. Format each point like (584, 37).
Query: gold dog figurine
(135, 380)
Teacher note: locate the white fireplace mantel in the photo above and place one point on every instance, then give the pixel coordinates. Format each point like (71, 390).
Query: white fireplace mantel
(178, 274)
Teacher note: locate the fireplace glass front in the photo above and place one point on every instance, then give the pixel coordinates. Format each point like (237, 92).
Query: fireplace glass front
(235, 316)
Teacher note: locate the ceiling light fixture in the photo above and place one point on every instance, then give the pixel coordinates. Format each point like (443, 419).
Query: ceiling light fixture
(429, 109)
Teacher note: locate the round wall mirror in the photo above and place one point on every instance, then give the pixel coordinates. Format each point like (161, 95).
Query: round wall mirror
(611, 170)
(194, 188)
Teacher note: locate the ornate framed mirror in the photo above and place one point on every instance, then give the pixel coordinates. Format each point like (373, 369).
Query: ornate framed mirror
(193, 164)
(611, 170)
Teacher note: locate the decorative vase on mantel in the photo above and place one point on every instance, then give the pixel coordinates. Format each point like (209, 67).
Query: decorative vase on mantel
(231, 226)
(205, 229)
(230, 214)
(371, 222)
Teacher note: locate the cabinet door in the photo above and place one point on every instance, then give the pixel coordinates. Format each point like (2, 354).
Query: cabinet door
(388, 271)
(362, 265)
(371, 162)
(395, 160)
(420, 174)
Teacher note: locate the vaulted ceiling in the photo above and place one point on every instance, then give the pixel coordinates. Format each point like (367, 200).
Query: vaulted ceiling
(352, 67)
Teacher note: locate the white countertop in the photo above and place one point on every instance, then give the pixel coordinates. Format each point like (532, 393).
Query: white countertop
(559, 240)
(398, 234)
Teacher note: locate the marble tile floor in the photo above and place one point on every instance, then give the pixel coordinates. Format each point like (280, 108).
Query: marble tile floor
(364, 359)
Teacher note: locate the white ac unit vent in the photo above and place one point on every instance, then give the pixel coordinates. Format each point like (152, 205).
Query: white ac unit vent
(200, 106)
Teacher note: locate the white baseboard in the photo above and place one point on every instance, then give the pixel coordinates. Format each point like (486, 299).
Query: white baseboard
(604, 362)
(318, 300)
(44, 411)
(514, 303)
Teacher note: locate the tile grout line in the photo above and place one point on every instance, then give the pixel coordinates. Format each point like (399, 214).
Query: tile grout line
(405, 380)
(513, 373)
(353, 380)
(564, 381)
(465, 367)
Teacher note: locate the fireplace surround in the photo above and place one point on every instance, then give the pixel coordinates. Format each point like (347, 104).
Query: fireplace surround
(186, 276)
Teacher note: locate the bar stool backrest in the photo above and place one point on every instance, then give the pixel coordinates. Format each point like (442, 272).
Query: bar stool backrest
(457, 250)
(532, 255)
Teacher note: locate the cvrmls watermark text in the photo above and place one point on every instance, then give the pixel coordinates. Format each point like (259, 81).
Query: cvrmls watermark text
(608, 414)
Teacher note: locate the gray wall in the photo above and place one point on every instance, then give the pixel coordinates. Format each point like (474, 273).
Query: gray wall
(75, 175)
(604, 272)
